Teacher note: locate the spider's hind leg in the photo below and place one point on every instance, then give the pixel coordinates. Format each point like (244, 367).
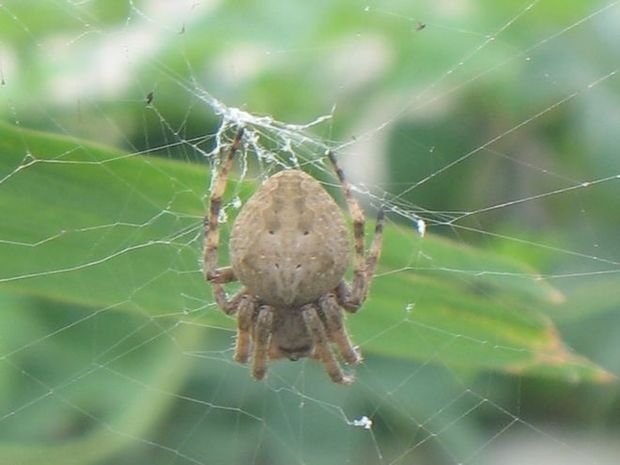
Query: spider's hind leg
(351, 298)
(359, 221)
(218, 276)
(222, 275)
(212, 233)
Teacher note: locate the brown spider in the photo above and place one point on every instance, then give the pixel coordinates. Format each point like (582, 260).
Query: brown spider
(289, 248)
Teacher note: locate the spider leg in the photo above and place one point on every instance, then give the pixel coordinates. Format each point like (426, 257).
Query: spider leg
(334, 324)
(321, 342)
(218, 276)
(352, 298)
(245, 320)
(375, 248)
(262, 340)
(231, 305)
(223, 275)
(359, 270)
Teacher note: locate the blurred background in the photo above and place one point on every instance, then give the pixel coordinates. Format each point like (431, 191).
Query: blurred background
(493, 127)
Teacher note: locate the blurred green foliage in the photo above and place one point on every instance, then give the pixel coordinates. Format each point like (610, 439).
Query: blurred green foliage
(111, 348)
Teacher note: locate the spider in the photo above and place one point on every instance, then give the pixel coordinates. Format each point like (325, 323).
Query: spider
(289, 249)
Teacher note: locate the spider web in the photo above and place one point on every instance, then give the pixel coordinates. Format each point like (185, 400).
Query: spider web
(412, 99)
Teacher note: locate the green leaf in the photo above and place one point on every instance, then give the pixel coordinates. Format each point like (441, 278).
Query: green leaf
(139, 405)
(588, 297)
(89, 225)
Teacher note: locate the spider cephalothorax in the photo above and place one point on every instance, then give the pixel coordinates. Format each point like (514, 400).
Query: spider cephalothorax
(289, 248)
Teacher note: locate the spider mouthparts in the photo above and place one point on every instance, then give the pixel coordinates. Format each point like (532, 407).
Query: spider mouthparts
(295, 354)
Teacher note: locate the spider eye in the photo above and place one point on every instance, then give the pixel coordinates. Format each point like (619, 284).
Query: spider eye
(271, 231)
(306, 233)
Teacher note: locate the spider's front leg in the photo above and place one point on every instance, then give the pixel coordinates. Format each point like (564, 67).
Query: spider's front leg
(321, 343)
(262, 341)
(334, 323)
(245, 321)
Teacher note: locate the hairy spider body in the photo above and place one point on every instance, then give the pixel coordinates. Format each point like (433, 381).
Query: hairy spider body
(289, 244)
(289, 248)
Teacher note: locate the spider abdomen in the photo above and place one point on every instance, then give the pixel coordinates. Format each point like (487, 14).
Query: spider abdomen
(289, 244)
